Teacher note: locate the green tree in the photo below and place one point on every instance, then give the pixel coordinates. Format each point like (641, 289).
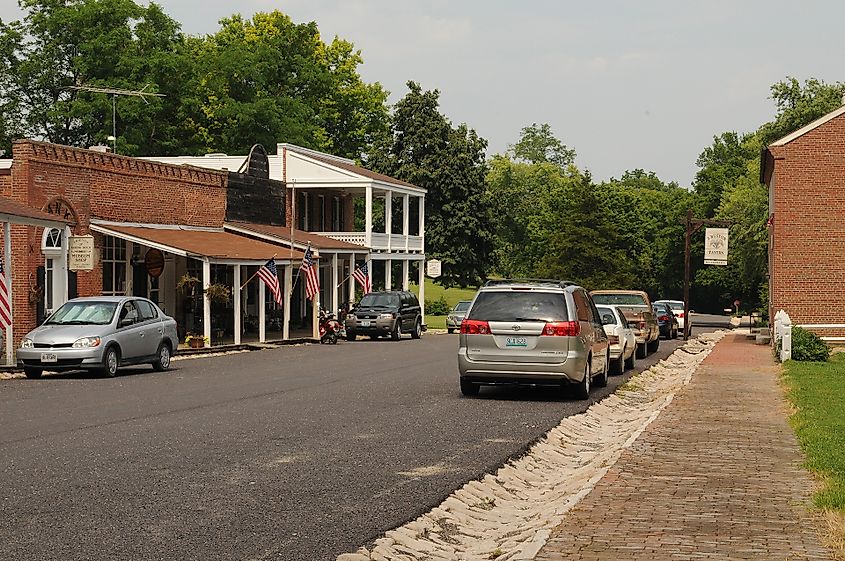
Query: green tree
(799, 105)
(424, 149)
(537, 144)
(59, 44)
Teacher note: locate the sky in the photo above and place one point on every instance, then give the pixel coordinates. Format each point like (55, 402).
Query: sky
(627, 84)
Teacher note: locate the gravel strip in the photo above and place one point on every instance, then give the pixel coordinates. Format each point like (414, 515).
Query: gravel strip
(508, 516)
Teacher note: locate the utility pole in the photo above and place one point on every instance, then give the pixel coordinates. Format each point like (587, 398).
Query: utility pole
(693, 225)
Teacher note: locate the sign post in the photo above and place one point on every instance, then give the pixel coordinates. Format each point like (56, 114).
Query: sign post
(693, 225)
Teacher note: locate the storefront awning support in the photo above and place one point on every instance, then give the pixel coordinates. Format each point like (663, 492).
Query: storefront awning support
(262, 313)
(206, 301)
(286, 304)
(7, 261)
(237, 304)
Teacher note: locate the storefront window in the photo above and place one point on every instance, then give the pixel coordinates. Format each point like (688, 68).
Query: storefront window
(114, 266)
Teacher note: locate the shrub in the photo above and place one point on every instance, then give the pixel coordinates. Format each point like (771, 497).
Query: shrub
(437, 307)
(807, 346)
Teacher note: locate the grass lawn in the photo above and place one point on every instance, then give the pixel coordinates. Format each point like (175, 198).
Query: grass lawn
(817, 390)
(435, 292)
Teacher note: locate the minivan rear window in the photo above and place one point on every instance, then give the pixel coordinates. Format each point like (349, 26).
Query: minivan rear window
(519, 306)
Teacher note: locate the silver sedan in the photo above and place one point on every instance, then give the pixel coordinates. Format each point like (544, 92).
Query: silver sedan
(100, 333)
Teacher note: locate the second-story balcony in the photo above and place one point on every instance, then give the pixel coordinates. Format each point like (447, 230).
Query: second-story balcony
(379, 241)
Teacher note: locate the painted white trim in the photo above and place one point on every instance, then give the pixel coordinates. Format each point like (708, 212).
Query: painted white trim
(807, 128)
(24, 221)
(821, 326)
(396, 256)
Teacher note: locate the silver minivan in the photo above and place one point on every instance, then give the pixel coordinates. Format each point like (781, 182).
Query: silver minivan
(532, 332)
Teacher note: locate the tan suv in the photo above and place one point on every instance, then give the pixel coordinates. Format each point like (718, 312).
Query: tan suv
(635, 305)
(532, 332)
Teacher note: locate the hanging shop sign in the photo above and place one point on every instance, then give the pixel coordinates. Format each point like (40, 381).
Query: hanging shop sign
(154, 262)
(716, 246)
(80, 253)
(433, 268)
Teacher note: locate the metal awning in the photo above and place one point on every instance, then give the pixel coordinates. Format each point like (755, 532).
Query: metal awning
(208, 244)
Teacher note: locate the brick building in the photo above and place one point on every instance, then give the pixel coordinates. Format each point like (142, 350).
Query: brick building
(805, 174)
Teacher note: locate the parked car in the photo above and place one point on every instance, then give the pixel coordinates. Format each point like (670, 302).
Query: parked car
(677, 309)
(392, 312)
(636, 306)
(457, 315)
(623, 342)
(666, 320)
(538, 333)
(100, 333)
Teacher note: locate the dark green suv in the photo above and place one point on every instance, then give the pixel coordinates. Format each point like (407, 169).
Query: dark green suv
(393, 313)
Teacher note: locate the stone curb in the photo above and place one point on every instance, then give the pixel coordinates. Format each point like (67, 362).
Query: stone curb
(508, 516)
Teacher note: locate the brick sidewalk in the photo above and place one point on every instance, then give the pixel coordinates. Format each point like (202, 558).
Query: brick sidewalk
(716, 476)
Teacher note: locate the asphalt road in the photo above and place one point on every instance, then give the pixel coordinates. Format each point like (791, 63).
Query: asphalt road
(296, 453)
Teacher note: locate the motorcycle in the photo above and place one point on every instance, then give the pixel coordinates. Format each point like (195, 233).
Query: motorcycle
(330, 328)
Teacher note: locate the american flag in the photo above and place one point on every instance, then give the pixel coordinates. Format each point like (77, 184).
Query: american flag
(5, 309)
(309, 269)
(362, 275)
(270, 276)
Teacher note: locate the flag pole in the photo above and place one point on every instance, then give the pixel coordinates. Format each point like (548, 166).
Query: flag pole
(255, 273)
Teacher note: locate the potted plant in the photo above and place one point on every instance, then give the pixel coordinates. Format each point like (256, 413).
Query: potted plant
(218, 293)
(196, 341)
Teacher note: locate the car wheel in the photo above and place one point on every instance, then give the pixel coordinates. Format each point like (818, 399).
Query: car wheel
(111, 361)
(351, 335)
(654, 345)
(162, 362)
(641, 351)
(417, 332)
(618, 365)
(450, 330)
(631, 361)
(396, 334)
(601, 381)
(32, 373)
(468, 388)
(582, 388)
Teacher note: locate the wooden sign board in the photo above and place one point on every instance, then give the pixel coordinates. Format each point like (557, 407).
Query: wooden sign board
(80, 253)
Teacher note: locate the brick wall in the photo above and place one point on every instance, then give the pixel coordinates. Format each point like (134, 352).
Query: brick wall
(5, 181)
(807, 238)
(98, 185)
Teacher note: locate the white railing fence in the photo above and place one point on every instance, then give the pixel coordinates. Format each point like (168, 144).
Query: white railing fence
(783, 335)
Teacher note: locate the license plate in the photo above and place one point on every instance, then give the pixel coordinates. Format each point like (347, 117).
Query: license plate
(516, 342)
(49, 357)
(365, 323)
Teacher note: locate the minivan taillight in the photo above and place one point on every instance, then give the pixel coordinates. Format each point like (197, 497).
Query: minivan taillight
(562, 329)
(475, 327)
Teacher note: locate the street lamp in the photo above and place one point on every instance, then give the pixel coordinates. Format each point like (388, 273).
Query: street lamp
(113, 140)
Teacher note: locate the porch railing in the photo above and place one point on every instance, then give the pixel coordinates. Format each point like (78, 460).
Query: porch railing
(378, 240)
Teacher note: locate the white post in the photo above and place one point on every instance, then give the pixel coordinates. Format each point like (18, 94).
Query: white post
(350, 280)
(406, 200)
(388, 216)
(335, 265)
(262, 313)
(368, 216)
(206, 302)
(286, 302)
(315, 316)
(236, 300)
(7, 260)
(786, 342)
(422, 221)
(422, 289)
(405, 273)
(388, 274)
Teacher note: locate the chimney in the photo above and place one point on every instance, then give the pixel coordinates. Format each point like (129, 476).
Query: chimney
(100, 148)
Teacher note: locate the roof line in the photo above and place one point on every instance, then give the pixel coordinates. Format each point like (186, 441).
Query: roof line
(808, 127)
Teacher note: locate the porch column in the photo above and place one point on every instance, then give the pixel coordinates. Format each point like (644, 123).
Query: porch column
(388, 216)
(351, 280)
(262, 313)
(422, 220)
(286, 302)
(368, 216)
(236, 299)
(406, 202)
(206, 302)
(388, 274)
(335, 265)
(405, 272)
(7, 260)
(315, 316)
(422, 288)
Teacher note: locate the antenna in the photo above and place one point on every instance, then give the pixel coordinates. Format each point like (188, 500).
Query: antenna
(114, 92)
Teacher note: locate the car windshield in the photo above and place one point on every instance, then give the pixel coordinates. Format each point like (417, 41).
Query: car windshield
(607, 315)
(619, 299)
(462, 306)
(519, 306)
(379, 300)
(83, 313)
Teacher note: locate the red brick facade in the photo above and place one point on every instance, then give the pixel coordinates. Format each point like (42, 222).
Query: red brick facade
(806, 178)
(85, 184)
